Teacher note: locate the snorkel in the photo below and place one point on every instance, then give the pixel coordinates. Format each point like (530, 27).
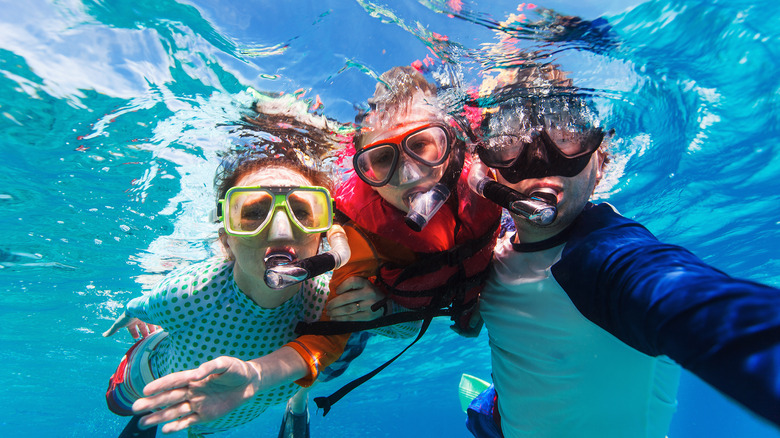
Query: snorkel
(281, 271)
(539, 208)
(424, 205)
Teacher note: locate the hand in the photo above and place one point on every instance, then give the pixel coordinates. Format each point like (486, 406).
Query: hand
(473, 327)
(137, 328)
(355, 297)
(196, 396)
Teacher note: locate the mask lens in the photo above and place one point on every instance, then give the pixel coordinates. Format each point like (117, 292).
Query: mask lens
(573, 141)
(502, 150)
(310, 209)
(249, 211)
(376, 164)
(429, 146)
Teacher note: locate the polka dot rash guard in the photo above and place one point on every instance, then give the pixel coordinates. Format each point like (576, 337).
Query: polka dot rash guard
(207, 316)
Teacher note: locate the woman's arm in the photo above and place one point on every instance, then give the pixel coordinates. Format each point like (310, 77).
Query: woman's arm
(215, 388)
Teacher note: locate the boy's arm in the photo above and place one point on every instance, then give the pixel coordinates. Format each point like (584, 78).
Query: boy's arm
(319, 351)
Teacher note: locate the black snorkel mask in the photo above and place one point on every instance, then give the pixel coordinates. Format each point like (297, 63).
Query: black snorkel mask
(540, 151)
(520, 143)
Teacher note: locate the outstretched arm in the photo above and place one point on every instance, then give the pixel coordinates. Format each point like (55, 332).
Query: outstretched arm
(215, 388)
(662, 300)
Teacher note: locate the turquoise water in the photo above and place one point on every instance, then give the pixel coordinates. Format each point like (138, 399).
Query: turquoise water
(111, 119)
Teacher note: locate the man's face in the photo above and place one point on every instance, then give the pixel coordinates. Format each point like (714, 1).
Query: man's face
(573, 194)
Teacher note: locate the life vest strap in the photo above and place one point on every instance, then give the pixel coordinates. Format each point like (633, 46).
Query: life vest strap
(325, 403)
(431, 262)
(342, 327)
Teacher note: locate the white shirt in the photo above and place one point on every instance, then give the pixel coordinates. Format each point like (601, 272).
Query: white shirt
(556, 373)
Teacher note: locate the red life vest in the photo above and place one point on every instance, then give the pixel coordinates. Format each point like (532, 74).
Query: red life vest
(453, 251)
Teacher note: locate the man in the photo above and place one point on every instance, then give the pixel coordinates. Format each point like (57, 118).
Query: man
(584, 313)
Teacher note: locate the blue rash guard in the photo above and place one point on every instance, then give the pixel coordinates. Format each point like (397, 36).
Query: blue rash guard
(662, 300)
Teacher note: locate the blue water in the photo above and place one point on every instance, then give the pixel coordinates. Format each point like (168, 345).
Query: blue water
(110, 119)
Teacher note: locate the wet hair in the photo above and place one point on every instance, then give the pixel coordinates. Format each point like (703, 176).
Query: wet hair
(282, 131)
(235, 166)
(398, 85)
(543, 89)
(394, 97)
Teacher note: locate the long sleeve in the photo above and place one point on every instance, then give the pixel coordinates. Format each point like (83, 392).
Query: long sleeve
(319, 351)
(182, 295)
(662, 300)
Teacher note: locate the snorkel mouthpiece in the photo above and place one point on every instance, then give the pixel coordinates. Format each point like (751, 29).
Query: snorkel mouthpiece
(423, 205)
(539, 208)
(282, 272)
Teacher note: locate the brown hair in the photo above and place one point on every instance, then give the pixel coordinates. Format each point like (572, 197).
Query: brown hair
(532, 84)
(394, 96)
(234, 167)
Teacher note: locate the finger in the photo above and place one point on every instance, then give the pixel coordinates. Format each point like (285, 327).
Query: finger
(352, 283)
(172, 381)
(184, 378)
(120, 322)
(133, 329)
(168, 414)
(346, 303)
(339, 301)
(161, 401)
(143, 329)
(181, 424)
(341, 310)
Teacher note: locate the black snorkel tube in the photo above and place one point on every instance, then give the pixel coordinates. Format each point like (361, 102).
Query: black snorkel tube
(282, 272)
(540, 207)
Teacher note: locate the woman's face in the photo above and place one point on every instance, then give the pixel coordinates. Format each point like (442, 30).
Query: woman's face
(279, 236)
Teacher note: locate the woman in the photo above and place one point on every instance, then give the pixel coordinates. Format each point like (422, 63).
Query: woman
(270, 208)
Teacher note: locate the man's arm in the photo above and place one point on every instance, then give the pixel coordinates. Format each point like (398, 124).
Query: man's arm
(663, 300)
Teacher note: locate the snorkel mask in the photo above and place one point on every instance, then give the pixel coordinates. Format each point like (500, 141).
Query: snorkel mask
(410, 155)
(524, 143)
(246, 212)
(549, 137)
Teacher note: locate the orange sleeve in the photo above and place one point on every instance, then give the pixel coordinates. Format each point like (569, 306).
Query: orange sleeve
(319, 351)
(363, 261)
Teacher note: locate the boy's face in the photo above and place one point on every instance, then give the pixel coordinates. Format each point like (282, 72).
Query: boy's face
(410, 176)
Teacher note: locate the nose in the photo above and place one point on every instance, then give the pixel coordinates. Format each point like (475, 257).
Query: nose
(280, 228)
(536, 151)
(408, 172)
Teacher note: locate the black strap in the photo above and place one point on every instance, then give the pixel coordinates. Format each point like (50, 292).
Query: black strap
(430, 262)
(552, 242)
(325, 403)
(341, 327)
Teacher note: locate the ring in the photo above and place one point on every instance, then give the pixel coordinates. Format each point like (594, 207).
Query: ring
(358, 306)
